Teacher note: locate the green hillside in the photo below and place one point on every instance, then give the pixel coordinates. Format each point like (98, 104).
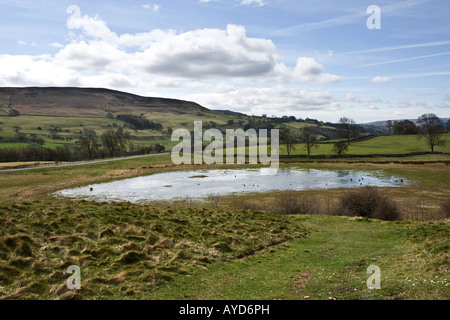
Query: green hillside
(69, 111)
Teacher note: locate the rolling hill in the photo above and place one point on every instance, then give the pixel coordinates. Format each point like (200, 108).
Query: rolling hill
(59, 115)
(88, 102)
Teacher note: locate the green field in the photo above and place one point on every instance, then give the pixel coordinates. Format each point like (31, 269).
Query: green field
(200, 251)
(377, 145)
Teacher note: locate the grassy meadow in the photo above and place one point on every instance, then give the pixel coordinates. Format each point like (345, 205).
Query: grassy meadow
(394, 144)
(237, 248)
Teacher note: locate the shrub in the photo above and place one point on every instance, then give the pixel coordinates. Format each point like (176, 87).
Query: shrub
(249, 205)
(287, 203)
(309, 205)
(445, 210)
(340, 147)
(214, 199)
(370, 203)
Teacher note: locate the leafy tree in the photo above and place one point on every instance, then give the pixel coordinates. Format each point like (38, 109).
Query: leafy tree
(17, 129)
(405, 127)
(35, 140)
(159, 148)
(22, 137)
(139, 122)
(431, 129)
(340, 147)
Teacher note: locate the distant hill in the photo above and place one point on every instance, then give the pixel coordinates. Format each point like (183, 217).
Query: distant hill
(88, 102)
(229, 112)
(383, 123)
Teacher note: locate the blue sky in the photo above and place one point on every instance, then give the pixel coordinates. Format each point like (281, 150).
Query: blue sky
(315, 59)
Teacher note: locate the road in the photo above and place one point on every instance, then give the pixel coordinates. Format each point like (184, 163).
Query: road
(86, 163)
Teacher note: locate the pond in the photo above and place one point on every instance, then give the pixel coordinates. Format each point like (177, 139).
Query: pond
(201, 183)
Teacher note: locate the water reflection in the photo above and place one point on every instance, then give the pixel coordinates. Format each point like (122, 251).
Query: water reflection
(201, 183)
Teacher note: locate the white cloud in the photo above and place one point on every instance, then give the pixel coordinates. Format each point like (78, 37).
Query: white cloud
(197, 54)
(380, 79)
(269, 100)
(258, 3)
(423, 104)
(212, 61)
(210, 53)
(352, 98)
(56, 45)
(24, 43)
(371, 107)
(308, 70)
(443, 105)
(404, 103)
(154, 7)
(21, 70)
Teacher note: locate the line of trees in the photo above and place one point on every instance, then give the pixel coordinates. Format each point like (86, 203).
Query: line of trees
(139, 122)
(429, 128)
(307, 135)
(90, 146)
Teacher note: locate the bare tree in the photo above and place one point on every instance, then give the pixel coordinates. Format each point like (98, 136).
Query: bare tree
(431, 129)
(89, 143)
(287, 203)
(287, 137)
(214, 198)
(348, 128)
(116, 142)
(309, 138)
(389, 125)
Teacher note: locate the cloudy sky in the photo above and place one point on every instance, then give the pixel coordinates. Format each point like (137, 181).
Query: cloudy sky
(307, 58)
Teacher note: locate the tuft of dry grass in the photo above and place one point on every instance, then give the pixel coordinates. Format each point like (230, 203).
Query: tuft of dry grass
(122, 249)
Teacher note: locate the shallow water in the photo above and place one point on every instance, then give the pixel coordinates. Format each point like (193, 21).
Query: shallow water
(200, 184)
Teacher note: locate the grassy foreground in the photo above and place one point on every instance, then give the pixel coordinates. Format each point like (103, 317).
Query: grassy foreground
(128, 251)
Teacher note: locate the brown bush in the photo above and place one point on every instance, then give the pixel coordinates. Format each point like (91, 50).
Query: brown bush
(287, 203)
(251, 205)
(445, 210)
(370, 203)
(310, 205)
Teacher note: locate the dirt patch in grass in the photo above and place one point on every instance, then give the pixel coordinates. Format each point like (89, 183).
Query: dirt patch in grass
(301, 281)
